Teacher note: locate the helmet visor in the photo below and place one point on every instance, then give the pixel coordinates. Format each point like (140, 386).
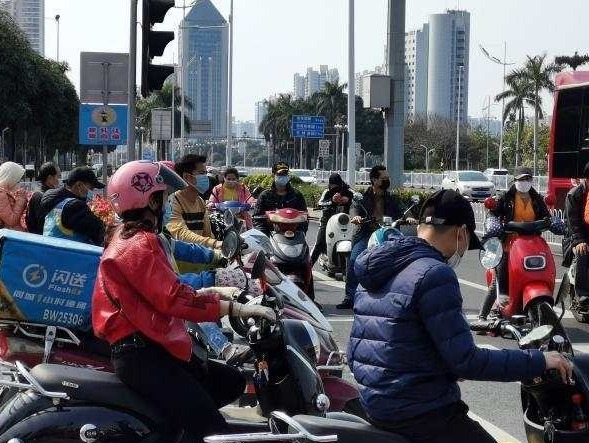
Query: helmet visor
(173, 181)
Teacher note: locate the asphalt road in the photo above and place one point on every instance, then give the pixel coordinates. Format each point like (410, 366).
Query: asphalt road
(496, 403)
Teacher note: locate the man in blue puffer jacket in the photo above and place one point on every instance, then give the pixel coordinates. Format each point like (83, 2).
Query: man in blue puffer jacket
(410, 342)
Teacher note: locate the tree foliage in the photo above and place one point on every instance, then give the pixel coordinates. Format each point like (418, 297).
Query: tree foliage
(572, 61)
(38, 103)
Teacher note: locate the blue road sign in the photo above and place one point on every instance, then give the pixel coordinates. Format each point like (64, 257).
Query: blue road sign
(148, 156)
(103, 125)
(307, 126)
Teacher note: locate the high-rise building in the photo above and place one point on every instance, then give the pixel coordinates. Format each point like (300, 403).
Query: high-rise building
(204, 48)
(361, 77)
(313, 81)
(416, 57)
(30, 16)
(448, 64)
(242, 128)
(261, 111)
(298, 87)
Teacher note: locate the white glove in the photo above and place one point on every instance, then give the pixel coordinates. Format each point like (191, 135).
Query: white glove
(246, 311)
(227, 294)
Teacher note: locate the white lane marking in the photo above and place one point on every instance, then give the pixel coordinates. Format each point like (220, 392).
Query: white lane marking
(498, 434)
(472, 284)
(342, 319)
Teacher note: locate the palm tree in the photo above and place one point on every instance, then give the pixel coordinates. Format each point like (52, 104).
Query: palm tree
(163, 99)
(573, 61)
(539, 76)
(331, 102)
(518, 94)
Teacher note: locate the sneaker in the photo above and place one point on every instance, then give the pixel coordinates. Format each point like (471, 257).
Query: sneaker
(480, 326)
(346, 304)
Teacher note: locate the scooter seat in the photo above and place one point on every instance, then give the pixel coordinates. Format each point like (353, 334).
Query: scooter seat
(93, 386)
(348, 428)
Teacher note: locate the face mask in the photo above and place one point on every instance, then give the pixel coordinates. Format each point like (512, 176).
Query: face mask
(231, 183)
(281, 180)
(523, 186)
(454, 260)
(167, 213)
(201, 183)
(385, 184)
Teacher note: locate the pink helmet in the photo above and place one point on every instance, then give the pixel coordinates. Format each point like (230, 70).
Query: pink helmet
(133, 183)
(168, 164)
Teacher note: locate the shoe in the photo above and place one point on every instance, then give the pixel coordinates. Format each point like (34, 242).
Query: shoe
(480, 326)
(346, 304)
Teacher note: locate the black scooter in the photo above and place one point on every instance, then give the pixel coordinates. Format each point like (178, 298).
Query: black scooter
(68, 404)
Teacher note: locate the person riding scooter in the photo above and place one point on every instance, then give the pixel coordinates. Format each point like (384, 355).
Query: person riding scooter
(335, 199)
(521, 203)
(575, 249)
(139, 305)
(280, 195)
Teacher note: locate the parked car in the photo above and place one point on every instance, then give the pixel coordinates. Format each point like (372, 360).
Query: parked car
(500, 177)
(473, 185)
(304, 175)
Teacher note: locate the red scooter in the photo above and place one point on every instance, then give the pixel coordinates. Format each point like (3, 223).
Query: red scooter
(531, 270)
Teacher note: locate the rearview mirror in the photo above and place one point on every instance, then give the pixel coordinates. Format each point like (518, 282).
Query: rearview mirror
(230, 245)
(228, 218)
(536, 336)
(491, 254)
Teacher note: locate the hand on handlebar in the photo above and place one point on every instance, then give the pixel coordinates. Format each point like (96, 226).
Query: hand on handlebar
(225, 293)
(357, 220)
(555, 360)
(411, 221)
(246, 311)
(580, 249)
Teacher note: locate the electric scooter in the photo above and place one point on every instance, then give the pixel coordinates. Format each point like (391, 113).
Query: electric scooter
(339, 233)
(567, 290)
(389, 229)
(219, 222)
(531, 270)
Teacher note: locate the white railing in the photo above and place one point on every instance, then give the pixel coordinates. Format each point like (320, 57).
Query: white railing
(480, 214)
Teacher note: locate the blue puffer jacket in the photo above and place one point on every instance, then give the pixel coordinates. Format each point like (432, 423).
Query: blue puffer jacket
(410, 342)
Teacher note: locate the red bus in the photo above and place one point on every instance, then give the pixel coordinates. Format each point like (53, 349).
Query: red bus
(568, 148)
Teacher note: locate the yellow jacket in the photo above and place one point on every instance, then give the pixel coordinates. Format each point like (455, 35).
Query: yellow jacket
(190, 219)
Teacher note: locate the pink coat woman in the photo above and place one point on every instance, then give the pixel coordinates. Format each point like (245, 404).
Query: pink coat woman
(13, 199)
(237, 190)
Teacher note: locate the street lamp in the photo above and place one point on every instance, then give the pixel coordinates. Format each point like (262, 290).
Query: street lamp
(340, 128)
(428, 151)
(504, 64)
(57, 17)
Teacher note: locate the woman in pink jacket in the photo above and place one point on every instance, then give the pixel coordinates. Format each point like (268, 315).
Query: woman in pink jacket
(13, 199)
(232, 190)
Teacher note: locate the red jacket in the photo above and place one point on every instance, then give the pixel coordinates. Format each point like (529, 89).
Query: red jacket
(147, 296)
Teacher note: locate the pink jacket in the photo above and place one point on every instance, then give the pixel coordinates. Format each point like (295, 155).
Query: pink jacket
(11, 210)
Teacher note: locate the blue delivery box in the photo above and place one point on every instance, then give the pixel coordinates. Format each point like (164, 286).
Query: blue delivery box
(47, 280)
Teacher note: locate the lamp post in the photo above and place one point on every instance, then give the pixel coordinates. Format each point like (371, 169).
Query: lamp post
(504, 64)
(57, 17)
(427, 153)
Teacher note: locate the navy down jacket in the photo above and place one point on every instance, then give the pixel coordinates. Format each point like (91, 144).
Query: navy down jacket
(410, 341)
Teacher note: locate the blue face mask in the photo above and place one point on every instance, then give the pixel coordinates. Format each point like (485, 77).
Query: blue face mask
(201, 183)
(167, 214)
(281, 180)
(89, 196)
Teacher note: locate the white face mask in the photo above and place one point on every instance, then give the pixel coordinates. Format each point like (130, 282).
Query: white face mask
(454, 260)
(523, 186)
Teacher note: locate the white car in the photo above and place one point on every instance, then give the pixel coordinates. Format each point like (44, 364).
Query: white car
(495, 172)
(304, 175)
(473, 185)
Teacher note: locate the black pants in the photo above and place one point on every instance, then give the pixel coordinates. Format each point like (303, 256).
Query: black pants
(320, 243)
(582, 278)
(449, 424)
(502, 276)
(189, 396)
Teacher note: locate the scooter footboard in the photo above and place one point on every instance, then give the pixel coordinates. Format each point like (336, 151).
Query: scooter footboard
(27, 416)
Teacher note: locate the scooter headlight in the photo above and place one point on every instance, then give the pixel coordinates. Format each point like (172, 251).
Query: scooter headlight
(315, 352)
(343, 219)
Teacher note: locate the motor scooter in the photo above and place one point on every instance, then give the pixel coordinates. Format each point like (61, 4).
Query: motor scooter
(290, 249)
(339, 233)
(567, 290)
(531, 270)
(389, 229)
(55, 402)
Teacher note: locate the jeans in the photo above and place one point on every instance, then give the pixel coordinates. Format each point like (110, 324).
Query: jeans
(358, 247)
(187, 394)
(449, 424)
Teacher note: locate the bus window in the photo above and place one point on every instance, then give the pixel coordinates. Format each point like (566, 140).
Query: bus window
(567, 135)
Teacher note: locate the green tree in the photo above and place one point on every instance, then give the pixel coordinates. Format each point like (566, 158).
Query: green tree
(573, 61)
(538, 75)
(163, 99)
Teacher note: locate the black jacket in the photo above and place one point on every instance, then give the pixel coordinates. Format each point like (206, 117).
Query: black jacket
(33, 217)
(577, 229)
(331, 209)
(269, 200)
(76, 215)
(506, 206)
(365, 208)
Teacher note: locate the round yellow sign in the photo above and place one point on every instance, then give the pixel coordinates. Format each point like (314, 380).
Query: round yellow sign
(104, 116)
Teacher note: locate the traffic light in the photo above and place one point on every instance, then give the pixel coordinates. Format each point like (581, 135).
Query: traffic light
(154, 43)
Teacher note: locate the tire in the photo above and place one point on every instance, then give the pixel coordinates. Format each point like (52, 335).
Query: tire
(345, 258)
(354, 407)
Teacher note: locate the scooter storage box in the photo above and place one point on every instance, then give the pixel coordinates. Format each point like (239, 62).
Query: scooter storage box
(47, 280)
(535, 433)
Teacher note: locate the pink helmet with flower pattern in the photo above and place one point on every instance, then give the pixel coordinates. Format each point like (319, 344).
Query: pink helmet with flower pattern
(132, 184)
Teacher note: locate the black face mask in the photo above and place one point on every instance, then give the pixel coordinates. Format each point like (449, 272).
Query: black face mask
(385, 184)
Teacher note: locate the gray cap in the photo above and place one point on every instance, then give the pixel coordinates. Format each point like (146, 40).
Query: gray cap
(522, 172)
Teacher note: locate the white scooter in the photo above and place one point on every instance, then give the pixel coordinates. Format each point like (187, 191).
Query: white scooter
(338, 238)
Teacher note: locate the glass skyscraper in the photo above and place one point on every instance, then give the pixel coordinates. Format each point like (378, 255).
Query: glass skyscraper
(30, 16)
(204, 48)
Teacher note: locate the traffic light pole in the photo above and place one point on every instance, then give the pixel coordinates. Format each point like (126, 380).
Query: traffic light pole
(229, 90)
(132, 82)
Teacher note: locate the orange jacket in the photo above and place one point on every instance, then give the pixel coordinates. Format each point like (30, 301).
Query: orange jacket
(137, 290)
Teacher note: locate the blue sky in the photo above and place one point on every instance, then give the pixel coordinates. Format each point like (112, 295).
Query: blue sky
(276, 38)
